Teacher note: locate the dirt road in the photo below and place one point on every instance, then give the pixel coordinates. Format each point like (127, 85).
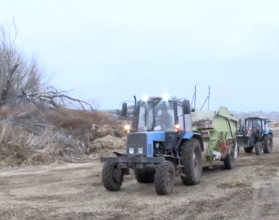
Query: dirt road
(75, 191)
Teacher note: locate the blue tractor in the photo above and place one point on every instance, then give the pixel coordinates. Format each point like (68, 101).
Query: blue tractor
(255, 134)
(160, 143)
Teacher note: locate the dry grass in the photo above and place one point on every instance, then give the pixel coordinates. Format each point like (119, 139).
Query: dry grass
(18, 145)
(268, 170)
(234, 184)
(28, 134)
(71, 119)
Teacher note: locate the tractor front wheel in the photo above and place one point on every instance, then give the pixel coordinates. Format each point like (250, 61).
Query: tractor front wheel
(112, 176)
(164, 178)
(192, 161)
(258, 148)
(268, 144)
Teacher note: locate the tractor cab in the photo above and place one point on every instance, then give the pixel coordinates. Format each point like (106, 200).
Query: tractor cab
(258, 123)
(160, 114)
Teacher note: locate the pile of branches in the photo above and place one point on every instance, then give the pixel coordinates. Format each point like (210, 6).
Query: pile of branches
(50, 98)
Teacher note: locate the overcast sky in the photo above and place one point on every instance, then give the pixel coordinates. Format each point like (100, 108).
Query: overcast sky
(112, 50)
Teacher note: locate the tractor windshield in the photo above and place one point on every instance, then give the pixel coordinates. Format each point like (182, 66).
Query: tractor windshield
(157, 115)
(254, 122)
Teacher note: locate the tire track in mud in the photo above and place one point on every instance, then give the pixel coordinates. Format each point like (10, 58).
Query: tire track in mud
(240, 202)
(76, 192)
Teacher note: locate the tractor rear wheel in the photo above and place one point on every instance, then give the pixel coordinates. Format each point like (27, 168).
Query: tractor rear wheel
(164, 178)
(144, 177)
(248, 149)
(192, 161)
(229, 160)
(258, 148)
(268, 143)
(112, 176)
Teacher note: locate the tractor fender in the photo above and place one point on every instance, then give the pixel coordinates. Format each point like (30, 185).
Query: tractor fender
(190, 135)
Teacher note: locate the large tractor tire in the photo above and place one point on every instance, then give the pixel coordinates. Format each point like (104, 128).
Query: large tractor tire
(248, 149)
(268, 143)
(258, 148)
(164, 178)
(144, 177)
(192, 161)
(112, 176)
(229, 161)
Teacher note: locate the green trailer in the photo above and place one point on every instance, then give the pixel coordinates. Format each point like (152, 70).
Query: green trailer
(218, 129)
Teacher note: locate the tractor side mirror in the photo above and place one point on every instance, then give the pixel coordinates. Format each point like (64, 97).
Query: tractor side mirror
(124, 109)
(186, 107)
(239, 122)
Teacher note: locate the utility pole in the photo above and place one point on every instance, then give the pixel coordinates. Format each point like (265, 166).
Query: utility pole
(208, 97)
(194, 97)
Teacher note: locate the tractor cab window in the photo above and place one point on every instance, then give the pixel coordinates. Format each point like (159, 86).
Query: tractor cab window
(157, 115)
(256, 123)
(164, 116)
(180, 116)
(263, 124)
(145, 117)
(141, 124)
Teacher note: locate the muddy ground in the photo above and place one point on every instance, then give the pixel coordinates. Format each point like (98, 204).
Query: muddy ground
(74, 191)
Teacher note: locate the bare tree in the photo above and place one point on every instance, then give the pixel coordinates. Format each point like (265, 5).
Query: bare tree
(22, 78)
(51, 97)
(16, 71)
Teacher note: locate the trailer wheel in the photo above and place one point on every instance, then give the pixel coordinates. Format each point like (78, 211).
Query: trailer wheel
(258, 148)
(192, 161)
(229, 160)
(112, 176)
(248, 149)
(164, 178)
(268, 143)
(144, 177)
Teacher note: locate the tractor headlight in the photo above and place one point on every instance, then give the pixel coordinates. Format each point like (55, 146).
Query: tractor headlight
(131, 150)
(140, 150)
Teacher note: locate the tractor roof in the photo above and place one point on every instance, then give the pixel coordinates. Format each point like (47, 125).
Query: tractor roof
(152, 98)
(253, 117)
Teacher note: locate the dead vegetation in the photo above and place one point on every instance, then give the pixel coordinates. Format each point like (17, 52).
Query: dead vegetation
(40, 124)
(27, 134)
(235, 183)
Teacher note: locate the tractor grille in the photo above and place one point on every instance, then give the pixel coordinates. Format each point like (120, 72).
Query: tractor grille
(137, 140)
(149, 149)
